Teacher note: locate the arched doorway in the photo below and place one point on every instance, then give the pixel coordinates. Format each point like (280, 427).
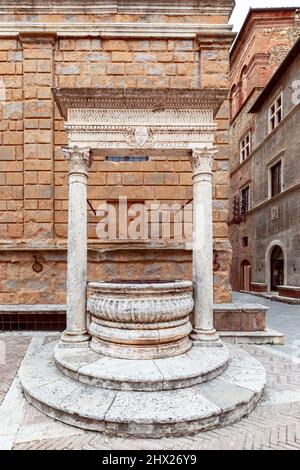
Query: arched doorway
(277, 268)
(246, 276)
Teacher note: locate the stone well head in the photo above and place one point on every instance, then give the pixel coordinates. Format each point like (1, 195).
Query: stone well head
(140, 320)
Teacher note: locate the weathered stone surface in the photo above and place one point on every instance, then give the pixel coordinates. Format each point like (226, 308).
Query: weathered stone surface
(167, 55)
(244, 371)
(189, 369)
(152, 414)
(140, 320)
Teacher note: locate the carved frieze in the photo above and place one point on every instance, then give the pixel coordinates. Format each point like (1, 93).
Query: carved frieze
(139, 119)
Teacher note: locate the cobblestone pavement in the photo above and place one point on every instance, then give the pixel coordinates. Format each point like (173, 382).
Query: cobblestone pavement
(275, 424)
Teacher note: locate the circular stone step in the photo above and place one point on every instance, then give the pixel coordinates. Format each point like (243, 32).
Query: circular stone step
(194, 367)
(155, 414)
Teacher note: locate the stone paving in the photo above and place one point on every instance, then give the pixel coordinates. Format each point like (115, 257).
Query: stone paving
(281, 317)
(275, 424)
(13, 349)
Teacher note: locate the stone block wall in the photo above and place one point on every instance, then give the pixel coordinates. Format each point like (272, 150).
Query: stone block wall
(33, 172)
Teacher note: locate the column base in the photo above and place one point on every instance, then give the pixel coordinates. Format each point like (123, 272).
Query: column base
(74, 340)
(203, 338)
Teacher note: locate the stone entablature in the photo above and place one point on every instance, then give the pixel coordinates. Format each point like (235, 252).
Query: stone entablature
(139, 119)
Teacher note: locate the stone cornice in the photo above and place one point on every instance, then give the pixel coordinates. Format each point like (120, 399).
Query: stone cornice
(215, 39)
(276, 199)
(261, 18)
(108, 30)
(157, 7)
(151, 99)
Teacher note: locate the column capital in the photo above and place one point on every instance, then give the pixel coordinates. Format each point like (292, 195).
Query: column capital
(79, 159)
(202, 160)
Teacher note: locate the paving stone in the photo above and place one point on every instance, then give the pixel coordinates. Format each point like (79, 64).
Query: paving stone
(224, 395)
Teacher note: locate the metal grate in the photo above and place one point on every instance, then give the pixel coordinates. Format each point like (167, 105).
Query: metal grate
(32, 321)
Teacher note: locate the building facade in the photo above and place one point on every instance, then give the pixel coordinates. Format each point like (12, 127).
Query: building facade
(276, 172)
(102, 44)
(259, 228)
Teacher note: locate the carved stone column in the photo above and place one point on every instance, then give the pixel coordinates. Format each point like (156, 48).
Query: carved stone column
(204, 333)
(79, 160)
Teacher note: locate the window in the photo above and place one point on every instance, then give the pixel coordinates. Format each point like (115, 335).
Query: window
(275, 113)
(245, 200)
(127, 159)
(276, 179)
(245, 242)
(245, 147)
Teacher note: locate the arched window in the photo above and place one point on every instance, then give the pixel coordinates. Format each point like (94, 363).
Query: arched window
(244, 84)
(233, 101)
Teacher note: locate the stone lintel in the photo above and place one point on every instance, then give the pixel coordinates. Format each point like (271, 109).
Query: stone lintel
(37, 37)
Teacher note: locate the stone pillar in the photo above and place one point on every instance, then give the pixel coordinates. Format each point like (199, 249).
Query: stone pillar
(79, 160)
(204, 333)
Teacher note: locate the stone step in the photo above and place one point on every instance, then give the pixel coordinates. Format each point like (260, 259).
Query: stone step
(155, 414)
(194, 367)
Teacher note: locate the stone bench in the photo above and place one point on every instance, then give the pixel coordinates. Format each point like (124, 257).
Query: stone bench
(240, 317)
(289, 291)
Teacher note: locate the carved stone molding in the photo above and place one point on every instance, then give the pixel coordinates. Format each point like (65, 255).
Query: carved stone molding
(208, 39)
(150, 138)
(156, 7)
(202, 161)
(155, 100)
(108, 30)
(140, 320)
(149, 119)
(144, 128)
(133, 119)
(79, 159)
(94, 117)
